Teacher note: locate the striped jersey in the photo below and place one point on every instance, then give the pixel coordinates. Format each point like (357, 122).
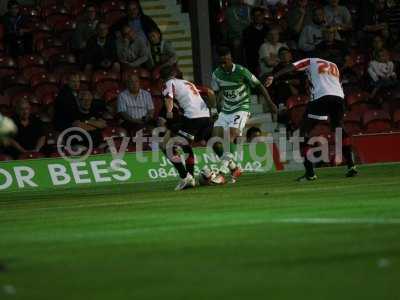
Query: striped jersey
(235, 87)
(323, 75)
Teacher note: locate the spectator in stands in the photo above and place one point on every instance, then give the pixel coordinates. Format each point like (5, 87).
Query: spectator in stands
(253, 38)
(291, 84)
(85, 29)
(66, 104)
(135, 106)
(372, 19)
(338, 16)
(270, 3)
(89, 118)
(100, 52)
(162, 51)
(378, 44)
(30, 136)
(252, 133)
(331, 48)
(132, 50)
(268, 53)
(238, 17)
(312, 35)
(298, 17)
(382, 72)
(18, 40)
(393, 19)
(135, 19)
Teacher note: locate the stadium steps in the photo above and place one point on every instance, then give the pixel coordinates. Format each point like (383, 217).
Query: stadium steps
(175, 27)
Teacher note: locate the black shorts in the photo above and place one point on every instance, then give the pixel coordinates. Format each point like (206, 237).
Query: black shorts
(326, 108)
(192, 129)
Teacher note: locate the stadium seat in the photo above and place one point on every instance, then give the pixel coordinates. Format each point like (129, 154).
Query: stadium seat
(396, 120)
(48, 53)
(8, 67)
(352, 123)
(42, 78)
(4, 100)
(296, 106)
(53, 9)
(113, 16)
(376, 121)
(47, 98)
(358, 102)
(322, 129)
(65, 62)
(111, 95)
(29, 61)
(31, 155)
(103, 81)
(14, 84)
(28, 95)
(76, 7)
(158, 104)
(156, 88)
(108, 6)
(48, 88)
(4, 157)
(28, 72)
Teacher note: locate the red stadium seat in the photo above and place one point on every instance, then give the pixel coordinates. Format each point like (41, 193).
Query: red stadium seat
(4, 100)
(14, 84)
(103, 81)
(108, 6)
(376, 121)
(53, 9)
(48, 98)
(358, 102)
(8, 67)
(296, 106)
(30, 60)
(76, 7)
(113, 16)
(48, 53)
(111, 95)
(158, 104)
(352, 123)
(27, 95)
(32, 70)
(321, 129)
(31, 155)
(396, 119)
(44, 89)
(42, 78)
(4, 157)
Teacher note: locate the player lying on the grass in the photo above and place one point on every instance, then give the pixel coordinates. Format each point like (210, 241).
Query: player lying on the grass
(194, 125)
(233, 83)
(327, 100)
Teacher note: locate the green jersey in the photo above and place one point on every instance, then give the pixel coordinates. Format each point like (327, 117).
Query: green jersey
(235, 88)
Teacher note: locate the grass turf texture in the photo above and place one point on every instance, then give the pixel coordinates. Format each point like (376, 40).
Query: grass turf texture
(265, 237)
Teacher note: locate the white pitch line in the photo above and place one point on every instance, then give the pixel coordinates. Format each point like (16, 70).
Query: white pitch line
(333, 221)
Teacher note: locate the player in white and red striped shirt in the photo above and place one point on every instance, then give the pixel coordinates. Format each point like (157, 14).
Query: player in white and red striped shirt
(327, 100)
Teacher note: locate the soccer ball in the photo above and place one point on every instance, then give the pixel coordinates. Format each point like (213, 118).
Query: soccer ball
(209, 177)
(7, 127)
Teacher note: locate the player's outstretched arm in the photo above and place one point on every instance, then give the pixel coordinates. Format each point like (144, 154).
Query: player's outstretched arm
(169, 105)
(263, 92)
(270, 79)
(212, 102)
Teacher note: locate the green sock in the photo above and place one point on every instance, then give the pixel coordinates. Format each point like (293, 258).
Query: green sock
(232, 147)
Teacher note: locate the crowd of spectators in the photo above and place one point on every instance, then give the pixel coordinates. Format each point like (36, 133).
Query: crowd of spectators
(96, 65)
(98, 74)
(361, 37)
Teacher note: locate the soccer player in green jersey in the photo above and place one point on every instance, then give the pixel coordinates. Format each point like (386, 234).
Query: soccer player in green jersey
(232, 84)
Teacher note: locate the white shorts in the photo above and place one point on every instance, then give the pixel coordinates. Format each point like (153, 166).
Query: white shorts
(235, 120)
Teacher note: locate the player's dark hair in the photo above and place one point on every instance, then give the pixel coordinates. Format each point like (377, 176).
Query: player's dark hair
(251, 131)
(12, 3)
(223, 50)
(166, 72)
(257, 9)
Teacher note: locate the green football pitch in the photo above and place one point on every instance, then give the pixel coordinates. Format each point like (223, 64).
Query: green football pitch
(266, 237)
